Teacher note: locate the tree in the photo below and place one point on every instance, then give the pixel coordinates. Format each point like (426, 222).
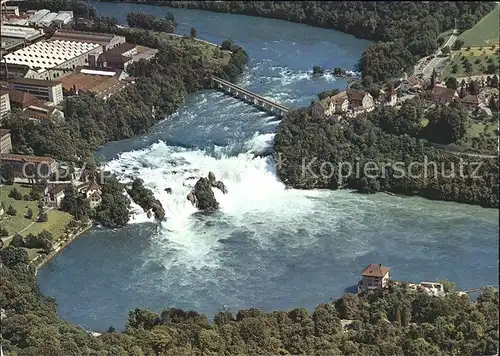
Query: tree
(3, 232)
(11, 211)
(7, 173)
(43, 217)
(447, 124)
(29, 214)
(193, 32)
(451, 82)
(458, 44)
(17, 241)
(440, 41)
(446, 50)
(454, 68)
(12, 256)
(491, 68)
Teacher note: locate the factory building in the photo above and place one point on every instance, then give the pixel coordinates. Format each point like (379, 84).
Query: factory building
(9, 11)
(63, 18)
(46, 21)
(37, 16)
(50, 59)
(106, 40)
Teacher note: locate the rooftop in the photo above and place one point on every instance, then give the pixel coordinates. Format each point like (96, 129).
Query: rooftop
(21, 98)
(4, 132)
(355, 95)
(92, 37)
(24, 158)
(20, 32)
(444, 92)
(375, 270)
(46, 55)
(34, 82)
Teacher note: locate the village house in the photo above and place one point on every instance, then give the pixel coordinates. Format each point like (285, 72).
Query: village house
(331, 105)
(442, 95)
(470, 101)
(374, 277)
(360, 101)
(391, 98)
(93, 193)
(54, 195)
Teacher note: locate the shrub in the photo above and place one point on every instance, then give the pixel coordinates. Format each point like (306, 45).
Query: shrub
(27, 197)
(3, 232)
(15, 194)
(43, 217)
(29, 214)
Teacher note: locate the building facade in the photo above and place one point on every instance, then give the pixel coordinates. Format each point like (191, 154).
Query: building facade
(374, 277)
(30, 166)
(360, 101)
(54, 195)
(45, 90)
(5, 141)
(4, 105)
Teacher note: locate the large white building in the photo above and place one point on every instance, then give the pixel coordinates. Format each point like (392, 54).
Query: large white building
(46, 21)
(52, 59)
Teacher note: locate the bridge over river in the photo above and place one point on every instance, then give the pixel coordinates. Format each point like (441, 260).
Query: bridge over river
(248, 96)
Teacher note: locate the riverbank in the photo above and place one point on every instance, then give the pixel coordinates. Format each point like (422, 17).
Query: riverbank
(44, 259)
(400, 41)
(362, 156)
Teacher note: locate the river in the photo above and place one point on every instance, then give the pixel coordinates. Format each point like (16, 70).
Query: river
(268, 247)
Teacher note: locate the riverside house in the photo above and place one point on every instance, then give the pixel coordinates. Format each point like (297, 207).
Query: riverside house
(374, 277)
(332, 105)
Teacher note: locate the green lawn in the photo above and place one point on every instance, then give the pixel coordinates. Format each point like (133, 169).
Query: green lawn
(18, 222)
(485, 32)
(56, 223)
(487, 128)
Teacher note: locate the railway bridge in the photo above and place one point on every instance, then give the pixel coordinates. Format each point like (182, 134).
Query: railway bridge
(248, 96)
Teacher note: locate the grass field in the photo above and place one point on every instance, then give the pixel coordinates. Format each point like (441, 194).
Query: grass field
(483, 54)
(485, 32)
(56, 223)
(487, 128)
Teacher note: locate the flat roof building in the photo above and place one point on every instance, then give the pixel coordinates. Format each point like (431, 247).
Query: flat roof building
(46, 90)
(49, 58)
(106, 40)
(37, 16)
(46, 21)
(63, 18)
(10, 10)
(27, 33)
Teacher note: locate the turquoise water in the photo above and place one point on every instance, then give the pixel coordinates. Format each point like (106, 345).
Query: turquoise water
(268, 247)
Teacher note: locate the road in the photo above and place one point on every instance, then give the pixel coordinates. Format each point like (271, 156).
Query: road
(435, 62)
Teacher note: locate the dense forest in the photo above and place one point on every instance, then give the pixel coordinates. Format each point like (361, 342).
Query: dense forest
(150, 22)
(317, 153)
(397, 322)
(404, 31)
(160, 88)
